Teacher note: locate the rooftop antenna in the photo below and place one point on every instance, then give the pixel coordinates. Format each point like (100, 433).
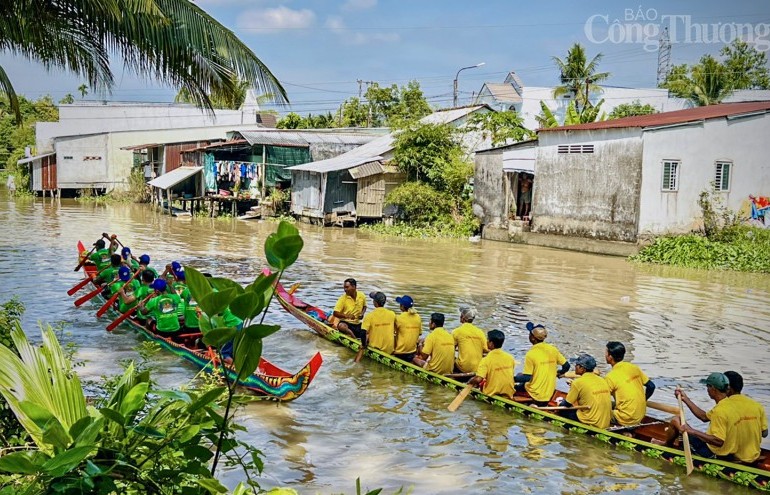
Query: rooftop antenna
(664, 56)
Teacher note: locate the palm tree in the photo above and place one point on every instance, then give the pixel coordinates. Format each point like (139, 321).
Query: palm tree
(83, 90)
(173, 41)
(578, 76)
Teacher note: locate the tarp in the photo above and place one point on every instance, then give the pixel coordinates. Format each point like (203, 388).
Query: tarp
(174, 177)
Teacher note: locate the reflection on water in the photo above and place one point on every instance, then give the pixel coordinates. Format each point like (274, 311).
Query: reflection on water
(363, 420)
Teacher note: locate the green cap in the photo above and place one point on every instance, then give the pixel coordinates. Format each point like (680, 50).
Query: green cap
(719, 381)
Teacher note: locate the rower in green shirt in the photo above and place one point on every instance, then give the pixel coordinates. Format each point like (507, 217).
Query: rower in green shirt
(110, 273)
(125, 288)
(101, 257)
(144, 290)
(129, 259)
(144, 263)
(163, 308)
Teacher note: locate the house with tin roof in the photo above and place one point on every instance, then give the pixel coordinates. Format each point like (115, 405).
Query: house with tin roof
(630, 178)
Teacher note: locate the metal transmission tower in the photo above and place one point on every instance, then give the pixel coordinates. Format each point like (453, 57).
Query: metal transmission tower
(664, 56)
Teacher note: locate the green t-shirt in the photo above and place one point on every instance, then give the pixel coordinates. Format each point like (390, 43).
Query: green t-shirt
(108, 274)
(231, 320)
(153, 270)
(101, 258)
(133, 264)
(140, 293)
(179, 288)
(130, 290)
(164, 309)
(190, 309)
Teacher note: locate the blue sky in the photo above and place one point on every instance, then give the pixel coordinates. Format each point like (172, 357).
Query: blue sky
(319, 49)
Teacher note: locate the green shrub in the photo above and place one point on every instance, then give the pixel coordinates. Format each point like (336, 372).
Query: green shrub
(12, 434)
(420, 203)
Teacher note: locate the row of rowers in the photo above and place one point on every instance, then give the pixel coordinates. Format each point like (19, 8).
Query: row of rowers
(737, 423)
(165, 303)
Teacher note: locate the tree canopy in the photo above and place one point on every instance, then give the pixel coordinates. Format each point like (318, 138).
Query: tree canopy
(579, 76)
(500, 127)
(631, 109)
(173, 41)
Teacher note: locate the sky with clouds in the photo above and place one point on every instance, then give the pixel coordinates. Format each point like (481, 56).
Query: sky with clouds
(319, 49)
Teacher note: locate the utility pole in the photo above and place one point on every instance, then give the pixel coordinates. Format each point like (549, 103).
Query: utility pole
(368, 83)
(360, 82)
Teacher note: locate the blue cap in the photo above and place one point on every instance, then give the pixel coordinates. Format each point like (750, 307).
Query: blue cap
(126, 252)
(586, 361)
(124, 273)
(719, 381)
(179, 274)
(176, 266)
(159, 284)
(144, 259)
(405, 301)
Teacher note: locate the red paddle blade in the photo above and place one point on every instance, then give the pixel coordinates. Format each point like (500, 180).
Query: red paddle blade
(88, 297)
(107, 305)
(78, 286)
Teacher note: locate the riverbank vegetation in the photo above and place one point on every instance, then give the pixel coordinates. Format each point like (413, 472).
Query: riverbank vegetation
(724, 244)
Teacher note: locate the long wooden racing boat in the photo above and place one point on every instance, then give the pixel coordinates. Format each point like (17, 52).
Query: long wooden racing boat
(653, 437)
(268, 382)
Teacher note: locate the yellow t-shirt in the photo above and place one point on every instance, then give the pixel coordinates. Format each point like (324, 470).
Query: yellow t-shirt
(471, 344)
(408, 330)
(440, 346)
(626, 382)
(541, 362)
(379, 325)
(348, 305)
(497, 369)
(591, 390)
(739, 421)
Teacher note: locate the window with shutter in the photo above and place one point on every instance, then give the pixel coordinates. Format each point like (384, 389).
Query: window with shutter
(670, 176)
(722, 176)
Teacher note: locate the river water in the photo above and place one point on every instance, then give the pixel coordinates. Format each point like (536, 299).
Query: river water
(391, 430)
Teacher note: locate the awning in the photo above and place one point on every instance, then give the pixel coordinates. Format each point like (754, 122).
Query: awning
(33, 158)
(174, 177)
(141, 146)
(520, 160)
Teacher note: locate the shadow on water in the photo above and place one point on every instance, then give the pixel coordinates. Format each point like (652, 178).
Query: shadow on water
(363, 420)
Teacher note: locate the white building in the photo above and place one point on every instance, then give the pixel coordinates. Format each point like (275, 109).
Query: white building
(512, 94)
(85, 148)
(638, 176)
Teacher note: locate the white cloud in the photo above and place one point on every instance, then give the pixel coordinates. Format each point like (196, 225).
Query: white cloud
(335, 23)
(271, 20)
(358, 4)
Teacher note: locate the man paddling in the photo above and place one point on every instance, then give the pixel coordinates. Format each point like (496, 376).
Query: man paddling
(145, 289)
(737, 423)
(101, 257)
(379, 325)
(129, 259)
(538, 379)
(588, 389)
(470, 341)
(408, 329)
(144, 264)
(437, 353)
(163, 308)
(629, 385)
(496, 368)
(350, 307)
(125, 288)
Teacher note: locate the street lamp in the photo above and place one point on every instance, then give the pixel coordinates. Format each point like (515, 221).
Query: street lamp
(458, 75)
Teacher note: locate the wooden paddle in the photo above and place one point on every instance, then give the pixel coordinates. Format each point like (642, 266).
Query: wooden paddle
(84, 259)
(664, 407)
(360, 353)
(112, 326)
(685, 437)
(460, 398)
(79, 286)
(114, 297)
(88, 296)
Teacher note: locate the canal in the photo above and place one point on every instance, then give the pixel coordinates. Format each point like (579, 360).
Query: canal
(364, 420)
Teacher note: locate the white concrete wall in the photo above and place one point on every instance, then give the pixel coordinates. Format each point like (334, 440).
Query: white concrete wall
(744, 141)
(83, 162)
(98, 117)
(113, 170)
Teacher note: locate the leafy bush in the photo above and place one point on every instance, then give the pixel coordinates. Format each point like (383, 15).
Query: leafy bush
(737, 248)
(12, 434)
(419, 203)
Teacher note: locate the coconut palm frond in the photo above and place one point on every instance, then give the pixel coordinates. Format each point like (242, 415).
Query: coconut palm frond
(40, 386)
(6, 88)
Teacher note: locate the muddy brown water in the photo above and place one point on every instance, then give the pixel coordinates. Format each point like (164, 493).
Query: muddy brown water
(364, 420)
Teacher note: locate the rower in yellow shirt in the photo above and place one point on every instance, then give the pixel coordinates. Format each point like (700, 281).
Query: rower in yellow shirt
(629, 385)
(408, 330)
(470, 341)
(350, 307)
(591, 390)
(496, 368)
(437, 353)
(540, 367)
(379, 325)
(737, 423)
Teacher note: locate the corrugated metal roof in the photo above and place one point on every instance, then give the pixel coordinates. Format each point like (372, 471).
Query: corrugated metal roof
(141, 146)
(174, 177)
(375, 149)
(367, 169)
(33, 158)
(670, 118)
(504, 92)
(282, 137)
